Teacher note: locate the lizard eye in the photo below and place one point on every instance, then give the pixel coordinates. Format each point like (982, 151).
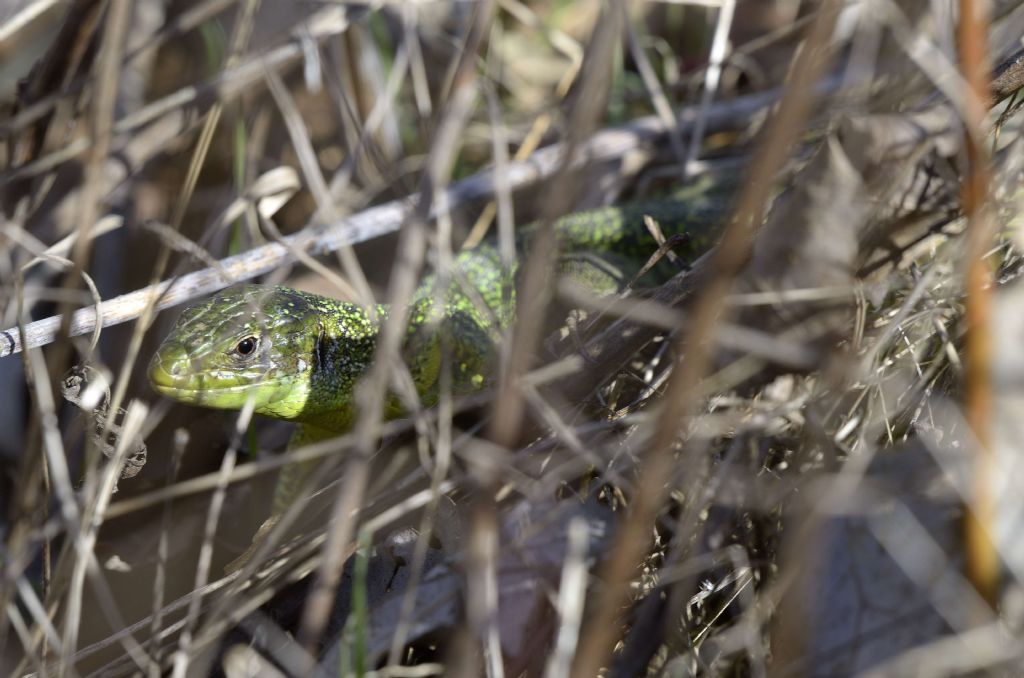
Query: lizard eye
(247, 346)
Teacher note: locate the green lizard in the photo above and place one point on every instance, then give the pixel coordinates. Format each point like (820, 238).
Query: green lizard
(299, 356)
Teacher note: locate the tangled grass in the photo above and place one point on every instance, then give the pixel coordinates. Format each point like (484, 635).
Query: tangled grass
(798, 456)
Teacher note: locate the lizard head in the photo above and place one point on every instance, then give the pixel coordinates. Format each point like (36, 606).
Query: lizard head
(258, 343)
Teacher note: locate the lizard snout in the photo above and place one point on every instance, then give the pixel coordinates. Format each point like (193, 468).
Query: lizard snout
(169, 371)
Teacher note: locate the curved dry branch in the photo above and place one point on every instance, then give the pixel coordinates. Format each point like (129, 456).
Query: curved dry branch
(632, 145)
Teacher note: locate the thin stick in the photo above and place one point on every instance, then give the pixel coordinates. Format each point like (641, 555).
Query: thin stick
(972, 43)
(371, 393)
(642, 136)
(681, 394)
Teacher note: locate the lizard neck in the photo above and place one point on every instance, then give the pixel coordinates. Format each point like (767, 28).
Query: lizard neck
(339, 350)
(343, 345)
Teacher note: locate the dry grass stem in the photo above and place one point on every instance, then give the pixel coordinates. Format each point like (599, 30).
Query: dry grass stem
(697, 349)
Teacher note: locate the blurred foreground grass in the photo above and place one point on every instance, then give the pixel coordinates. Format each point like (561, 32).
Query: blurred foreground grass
(762, 467)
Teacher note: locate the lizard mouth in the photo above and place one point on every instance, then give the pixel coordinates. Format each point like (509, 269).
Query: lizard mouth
(175, 378)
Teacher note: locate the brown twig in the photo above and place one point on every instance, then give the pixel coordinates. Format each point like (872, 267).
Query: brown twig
(680, 399)
(371, 393)
(972, 42)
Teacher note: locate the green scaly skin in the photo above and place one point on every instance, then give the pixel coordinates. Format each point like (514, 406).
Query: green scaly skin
(308, 352)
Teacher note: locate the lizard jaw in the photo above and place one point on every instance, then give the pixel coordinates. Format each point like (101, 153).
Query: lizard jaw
(173, 386)
(280, 398)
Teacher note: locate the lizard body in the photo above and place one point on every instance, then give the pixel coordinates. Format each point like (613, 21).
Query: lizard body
(299, 356)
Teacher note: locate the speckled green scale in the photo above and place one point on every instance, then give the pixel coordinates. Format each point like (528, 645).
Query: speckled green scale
(298, 356)
(622, 230)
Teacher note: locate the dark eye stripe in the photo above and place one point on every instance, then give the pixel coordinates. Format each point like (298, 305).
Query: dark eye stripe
(317, 348)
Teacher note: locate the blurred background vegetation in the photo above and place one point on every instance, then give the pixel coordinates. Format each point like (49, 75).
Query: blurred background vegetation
(828, 488)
